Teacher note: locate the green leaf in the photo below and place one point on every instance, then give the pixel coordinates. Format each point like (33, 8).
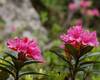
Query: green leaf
(88, 63)
(7, 62)
(7, 66)
(29, 62)
(73, 51)
(80, 69)
(11, 55)
(61, 56)
(7, 70)
(85, 50)
(85, 66)
(89, 55)
(31, 73)
(96, 72)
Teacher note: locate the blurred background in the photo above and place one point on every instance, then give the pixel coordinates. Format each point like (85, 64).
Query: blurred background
(45, 20)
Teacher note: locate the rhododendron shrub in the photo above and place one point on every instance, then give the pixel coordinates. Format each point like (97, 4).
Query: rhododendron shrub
(77, 43)
(23, 52)
(25, 48)
(77, 36)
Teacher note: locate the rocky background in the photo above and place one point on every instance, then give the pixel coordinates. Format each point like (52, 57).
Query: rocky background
(21, 15)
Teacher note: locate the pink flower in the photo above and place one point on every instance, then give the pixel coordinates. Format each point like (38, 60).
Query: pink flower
(89, 38)
(93, 12)
(72, 7)
(72, 36)
(77, 36)
(85, 4)
(25, 48)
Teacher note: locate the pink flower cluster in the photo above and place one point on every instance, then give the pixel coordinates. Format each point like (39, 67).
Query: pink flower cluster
(25, 48)
(93, 12)
(78, 36)
(72, 7)
(84, 5)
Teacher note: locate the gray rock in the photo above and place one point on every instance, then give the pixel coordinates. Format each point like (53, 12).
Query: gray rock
(20, 13)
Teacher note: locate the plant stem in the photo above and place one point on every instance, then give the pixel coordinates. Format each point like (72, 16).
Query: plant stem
(74, 70)
(17, 75)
